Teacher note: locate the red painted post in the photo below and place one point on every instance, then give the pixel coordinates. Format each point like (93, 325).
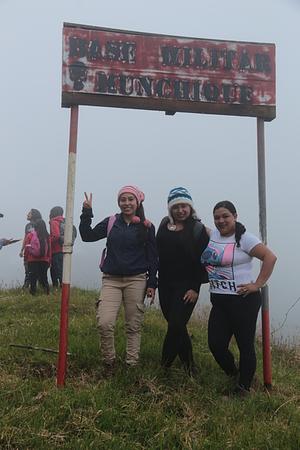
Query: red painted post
(67, 250)
(267, 361)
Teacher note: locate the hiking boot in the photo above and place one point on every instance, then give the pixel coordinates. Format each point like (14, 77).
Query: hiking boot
(239, 391)
(166, 367)
(109, 369)
(131, 365)
(234, 373)
(192, 371)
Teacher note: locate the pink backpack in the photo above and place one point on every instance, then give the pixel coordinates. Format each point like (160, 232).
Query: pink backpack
(34, 248)
(110, 224)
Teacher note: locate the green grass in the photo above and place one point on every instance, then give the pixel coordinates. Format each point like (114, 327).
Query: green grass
(141, 408)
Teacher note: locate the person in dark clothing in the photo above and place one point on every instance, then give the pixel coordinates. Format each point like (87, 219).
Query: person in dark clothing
(4, 241)
(129, 270)
(33, 216)
(181, 238)
(234, 292)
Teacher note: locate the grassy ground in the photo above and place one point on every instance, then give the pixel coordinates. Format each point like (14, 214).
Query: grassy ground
(141, 408)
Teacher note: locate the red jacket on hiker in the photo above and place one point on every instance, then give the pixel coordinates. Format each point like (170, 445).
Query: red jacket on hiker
(56, 246)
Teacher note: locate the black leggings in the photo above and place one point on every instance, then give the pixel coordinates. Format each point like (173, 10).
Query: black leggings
(177, 313)
(234, 315)
(38, 272)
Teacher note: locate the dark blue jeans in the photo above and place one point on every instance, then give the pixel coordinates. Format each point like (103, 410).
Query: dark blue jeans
(234, 315)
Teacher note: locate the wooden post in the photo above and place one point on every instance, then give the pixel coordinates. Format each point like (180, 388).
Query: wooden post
(67, 249)
(267, 362)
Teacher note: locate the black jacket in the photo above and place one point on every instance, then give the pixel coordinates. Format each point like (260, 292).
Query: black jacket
(180, 255)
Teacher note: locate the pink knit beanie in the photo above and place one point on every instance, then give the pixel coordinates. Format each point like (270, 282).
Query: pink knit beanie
(139, 195)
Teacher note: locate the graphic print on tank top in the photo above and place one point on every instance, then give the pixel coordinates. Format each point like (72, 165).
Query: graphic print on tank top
(218, 260)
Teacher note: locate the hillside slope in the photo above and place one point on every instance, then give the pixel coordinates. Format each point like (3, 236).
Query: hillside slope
(141, 408)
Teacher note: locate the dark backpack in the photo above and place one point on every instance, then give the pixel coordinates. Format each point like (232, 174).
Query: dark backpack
(62, 232)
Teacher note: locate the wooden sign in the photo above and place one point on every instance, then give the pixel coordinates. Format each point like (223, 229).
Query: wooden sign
(125, 69)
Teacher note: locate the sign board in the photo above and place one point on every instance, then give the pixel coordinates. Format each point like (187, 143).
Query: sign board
(126, 69)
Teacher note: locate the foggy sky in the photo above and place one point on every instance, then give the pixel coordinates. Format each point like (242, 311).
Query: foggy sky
(213, 156)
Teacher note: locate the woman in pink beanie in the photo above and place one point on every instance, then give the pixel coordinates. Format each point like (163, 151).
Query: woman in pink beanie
(129, 267)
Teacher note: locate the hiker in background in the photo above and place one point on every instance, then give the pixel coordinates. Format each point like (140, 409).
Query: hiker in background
(56, 269)
(235, 294)
(3, 241)
(181, 238)
(129, 271)
(32, 216)
(38, 256)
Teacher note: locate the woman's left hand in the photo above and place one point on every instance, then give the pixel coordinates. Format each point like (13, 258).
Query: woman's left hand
(246, 289)
(150, 293)
(190, 296)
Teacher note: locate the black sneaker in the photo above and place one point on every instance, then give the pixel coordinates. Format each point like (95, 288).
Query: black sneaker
(240, 391)
(192, 371)
(233, 373)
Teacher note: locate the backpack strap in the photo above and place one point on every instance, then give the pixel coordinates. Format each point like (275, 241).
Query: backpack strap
(110, 224)
(163, 222)
(197, 230)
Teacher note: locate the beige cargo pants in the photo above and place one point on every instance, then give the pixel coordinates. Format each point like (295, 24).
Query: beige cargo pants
(116, 290)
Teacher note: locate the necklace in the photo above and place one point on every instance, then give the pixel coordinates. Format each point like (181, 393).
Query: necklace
(171, 227)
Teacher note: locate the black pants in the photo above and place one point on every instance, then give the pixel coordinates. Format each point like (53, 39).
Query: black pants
(38, 271)
(26, 279)
(177, 313)
(234, 315)
(56, 269)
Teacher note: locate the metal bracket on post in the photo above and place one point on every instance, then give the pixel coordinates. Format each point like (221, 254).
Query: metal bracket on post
(261, 165)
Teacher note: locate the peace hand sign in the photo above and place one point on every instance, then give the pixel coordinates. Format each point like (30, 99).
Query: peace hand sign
(88, 200)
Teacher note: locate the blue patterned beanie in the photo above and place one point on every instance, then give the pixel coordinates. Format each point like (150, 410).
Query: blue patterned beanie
(179, 195)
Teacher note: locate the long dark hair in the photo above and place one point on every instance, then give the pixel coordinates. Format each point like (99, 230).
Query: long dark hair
(56, 211)
(143, 229)
(35, 215)
(239, 227)
(43, 235)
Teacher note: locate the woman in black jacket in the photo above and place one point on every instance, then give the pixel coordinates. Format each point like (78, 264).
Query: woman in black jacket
(181, 239)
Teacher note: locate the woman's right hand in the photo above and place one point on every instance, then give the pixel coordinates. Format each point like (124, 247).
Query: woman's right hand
(88, 200)
(190, 296)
